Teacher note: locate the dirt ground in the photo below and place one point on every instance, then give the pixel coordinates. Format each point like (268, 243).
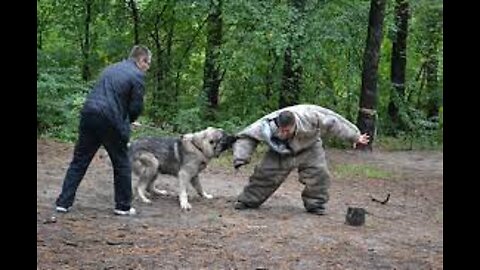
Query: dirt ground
(404, 233)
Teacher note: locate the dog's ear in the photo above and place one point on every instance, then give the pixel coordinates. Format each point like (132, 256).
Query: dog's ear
(214, 129)
(209, 131)
(213, 133)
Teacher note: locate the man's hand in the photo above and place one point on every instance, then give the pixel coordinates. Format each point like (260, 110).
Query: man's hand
(282, 149)
(363, 139)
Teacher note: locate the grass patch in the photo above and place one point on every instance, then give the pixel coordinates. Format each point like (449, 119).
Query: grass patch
(360, 171)
(403, 143)
(439, 216)
(226, 159)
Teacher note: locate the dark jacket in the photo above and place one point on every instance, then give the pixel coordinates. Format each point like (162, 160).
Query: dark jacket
(118, 96)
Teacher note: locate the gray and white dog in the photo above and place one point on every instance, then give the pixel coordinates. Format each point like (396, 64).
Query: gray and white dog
(183, 157)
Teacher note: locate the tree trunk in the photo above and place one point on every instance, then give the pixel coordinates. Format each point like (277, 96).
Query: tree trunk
(292, 68)
(269, 75)
(184, 58)
(398, 64)
(212, 75)
(158, 102)
(86, 72)
(40, 40)
(168, 55)
(432, 85)
(368, 96)
(39, 33)
(434, 28)
(291, 79)
(136, 21)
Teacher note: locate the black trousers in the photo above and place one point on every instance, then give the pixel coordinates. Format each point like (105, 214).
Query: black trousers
(94, 131)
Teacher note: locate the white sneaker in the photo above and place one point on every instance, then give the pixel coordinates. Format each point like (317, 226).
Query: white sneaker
(130, 212)
(61, 209)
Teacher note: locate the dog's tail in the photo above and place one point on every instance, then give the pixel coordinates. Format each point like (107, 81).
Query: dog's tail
(137, 149)
(144, 163)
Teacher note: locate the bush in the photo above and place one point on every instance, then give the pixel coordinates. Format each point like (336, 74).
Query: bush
(60, 96)
(189, 120)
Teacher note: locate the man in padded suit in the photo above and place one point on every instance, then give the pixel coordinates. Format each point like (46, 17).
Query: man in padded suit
(293, 135)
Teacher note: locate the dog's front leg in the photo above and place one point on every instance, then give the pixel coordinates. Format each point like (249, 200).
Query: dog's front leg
(183, 177)
(198, 187)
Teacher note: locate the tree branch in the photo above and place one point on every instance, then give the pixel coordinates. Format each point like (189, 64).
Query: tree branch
(379, 201)
(188, 48)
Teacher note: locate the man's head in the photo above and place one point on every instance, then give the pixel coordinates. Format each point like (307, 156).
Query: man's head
(286, 125)
(142, 57)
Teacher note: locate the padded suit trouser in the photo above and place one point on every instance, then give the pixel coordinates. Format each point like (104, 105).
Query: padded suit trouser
(274, 169)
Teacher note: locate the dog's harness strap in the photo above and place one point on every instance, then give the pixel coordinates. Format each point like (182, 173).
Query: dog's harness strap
(198, 148)
(177, 152)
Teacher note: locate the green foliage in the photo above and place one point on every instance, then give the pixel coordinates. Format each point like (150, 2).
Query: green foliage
(187, 121)
(329, 37)
(406, 142)
(60, 96)
(148, 128)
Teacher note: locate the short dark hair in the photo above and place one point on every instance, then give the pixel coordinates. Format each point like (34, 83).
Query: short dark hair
(140, 50)
(285, 118)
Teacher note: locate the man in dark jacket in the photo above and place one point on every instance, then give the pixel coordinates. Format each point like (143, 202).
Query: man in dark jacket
(115, 102)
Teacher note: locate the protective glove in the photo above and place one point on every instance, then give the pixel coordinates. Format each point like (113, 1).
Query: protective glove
(237, 163)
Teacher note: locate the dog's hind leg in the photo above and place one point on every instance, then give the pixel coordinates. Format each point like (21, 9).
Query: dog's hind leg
(141, 189)
(147, 168)
(139, 170)
(198, 187)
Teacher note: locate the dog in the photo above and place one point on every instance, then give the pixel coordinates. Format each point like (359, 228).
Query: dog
(183, 157)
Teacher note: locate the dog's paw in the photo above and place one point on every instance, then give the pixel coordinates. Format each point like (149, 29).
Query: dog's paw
(161, 192)
(185, 206)
(183, 198)
(147, 201)
(207, 196)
